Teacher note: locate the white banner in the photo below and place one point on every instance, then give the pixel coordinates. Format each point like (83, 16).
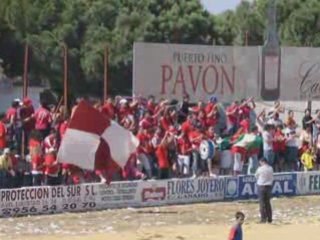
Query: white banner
(86, 197)
(230, 73)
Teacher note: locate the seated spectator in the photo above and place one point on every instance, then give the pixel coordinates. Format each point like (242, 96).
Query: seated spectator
(6, 171)
(51, 167)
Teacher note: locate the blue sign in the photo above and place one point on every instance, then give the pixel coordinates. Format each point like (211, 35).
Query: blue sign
(283, 185)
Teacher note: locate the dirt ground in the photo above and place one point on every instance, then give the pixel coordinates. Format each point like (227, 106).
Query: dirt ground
(294, 219)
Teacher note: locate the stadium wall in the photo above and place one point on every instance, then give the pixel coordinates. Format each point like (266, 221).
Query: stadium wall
(88, 197)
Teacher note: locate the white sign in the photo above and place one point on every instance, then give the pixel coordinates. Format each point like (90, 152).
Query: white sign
(230, 73)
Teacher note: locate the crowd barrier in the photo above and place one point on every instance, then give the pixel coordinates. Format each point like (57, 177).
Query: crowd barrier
(86, 197)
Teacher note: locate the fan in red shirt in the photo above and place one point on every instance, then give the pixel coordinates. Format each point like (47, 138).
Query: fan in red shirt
(26, 113)
(184, 154)
(35, 150)
(3, 135)
(232, 117)
(163, 158)
(151, 106)
(144, 150)
(245, 108)
(279, 148)
(165, 120)
(212, 112)
(43, 120)
(109, 109)
(51, 170)
(195, 138)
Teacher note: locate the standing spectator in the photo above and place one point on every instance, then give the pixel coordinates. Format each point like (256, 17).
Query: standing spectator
(109, 109)
(290, 122)
(308, 159)
(28, 123)
(307, 119)
(3, 135)
(184, 155)
(11, 120)
(6, 171)
(43, 120)
(253, 150)
(144, 150)
(163, 158)
(36, 155)
(195, 138)
(306, 139)
(291, 158)
(279, 147)
(264, 177)
(184, 109)
(232, 118)
(316, 124)
(268, 138)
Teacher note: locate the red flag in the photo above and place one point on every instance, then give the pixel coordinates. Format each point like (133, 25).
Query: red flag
(94, 142)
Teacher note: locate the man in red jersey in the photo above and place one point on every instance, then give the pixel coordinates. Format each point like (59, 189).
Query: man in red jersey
(43, 120)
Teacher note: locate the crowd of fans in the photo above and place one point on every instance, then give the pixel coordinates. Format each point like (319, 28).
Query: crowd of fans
(170, 133)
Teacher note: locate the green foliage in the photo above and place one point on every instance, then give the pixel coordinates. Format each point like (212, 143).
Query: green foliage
(88, 26)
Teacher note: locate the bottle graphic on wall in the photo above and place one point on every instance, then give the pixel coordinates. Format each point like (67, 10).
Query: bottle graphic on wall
(271, 59)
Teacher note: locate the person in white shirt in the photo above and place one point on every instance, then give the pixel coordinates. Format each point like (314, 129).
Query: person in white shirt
(267, 136)
(264, 176)
(292, 151)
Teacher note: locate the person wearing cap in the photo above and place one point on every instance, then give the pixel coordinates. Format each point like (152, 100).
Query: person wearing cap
(264, 176)
(5, 168)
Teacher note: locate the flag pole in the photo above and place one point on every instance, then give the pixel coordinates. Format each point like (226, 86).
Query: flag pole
(65, 77)
(25, 93)
(105, 75)
(25, 71)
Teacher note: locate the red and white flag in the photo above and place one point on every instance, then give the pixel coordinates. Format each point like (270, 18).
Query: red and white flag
(93, 141)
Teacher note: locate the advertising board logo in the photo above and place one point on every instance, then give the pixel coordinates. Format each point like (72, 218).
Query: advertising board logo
(153, 194)
(231, 188)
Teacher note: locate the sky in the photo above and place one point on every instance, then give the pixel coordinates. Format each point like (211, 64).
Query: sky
(218, 6)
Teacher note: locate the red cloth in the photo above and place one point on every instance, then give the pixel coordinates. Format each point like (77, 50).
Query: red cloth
(43, 119)
(3, 132)
(162, 156)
